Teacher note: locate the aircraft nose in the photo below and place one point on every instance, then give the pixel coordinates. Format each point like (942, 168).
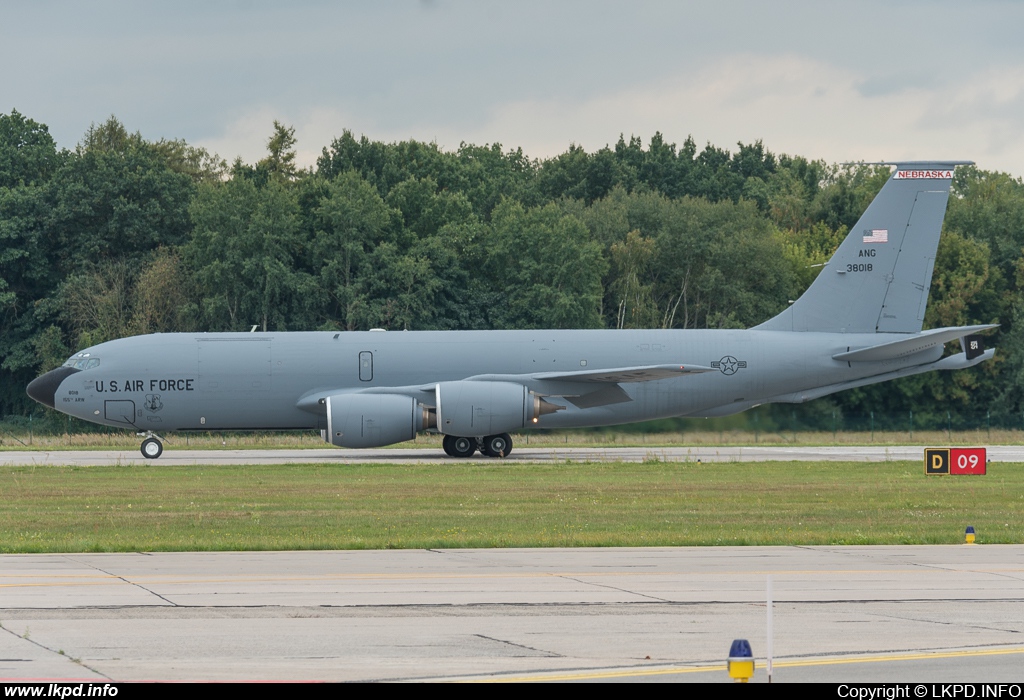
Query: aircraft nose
(44, 388)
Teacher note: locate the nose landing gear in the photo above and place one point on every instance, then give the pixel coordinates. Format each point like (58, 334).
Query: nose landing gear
(151, 447)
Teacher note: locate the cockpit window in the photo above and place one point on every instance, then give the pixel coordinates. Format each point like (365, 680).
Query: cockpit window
(83, 361)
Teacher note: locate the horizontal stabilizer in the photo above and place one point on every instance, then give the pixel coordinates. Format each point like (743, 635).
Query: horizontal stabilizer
(903, 347)
(957, 361)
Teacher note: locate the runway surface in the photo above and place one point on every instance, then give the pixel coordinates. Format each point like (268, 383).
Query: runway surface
(916, 614)
(1002, 453)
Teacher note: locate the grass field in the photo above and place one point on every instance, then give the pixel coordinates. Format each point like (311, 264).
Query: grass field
(154, 507)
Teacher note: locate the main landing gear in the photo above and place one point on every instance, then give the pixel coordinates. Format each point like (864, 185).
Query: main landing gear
(151, 447)
(492, 445)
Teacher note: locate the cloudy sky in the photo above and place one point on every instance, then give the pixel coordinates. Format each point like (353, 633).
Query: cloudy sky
(833, 80)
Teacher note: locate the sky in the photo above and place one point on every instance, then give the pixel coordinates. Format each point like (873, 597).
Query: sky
(837, 81)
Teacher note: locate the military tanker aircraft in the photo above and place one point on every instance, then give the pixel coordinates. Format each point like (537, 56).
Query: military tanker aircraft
(858, 323)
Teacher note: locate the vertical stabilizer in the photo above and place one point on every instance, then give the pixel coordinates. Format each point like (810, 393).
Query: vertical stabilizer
(878, 279)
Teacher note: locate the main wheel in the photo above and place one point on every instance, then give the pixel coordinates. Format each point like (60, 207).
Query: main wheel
(446, 445)
(463, 446)
(151, 448)
(498, 445)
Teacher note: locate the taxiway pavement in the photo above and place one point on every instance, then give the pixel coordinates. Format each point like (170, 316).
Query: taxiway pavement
(887, 613)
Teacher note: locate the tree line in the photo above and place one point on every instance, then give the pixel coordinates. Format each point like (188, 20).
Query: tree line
(122, 236)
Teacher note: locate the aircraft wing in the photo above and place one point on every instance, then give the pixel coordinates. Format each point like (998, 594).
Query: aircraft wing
(618, 375)
(594, 387)
(586, 388)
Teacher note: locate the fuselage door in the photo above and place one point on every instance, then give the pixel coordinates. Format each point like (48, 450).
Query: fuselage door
(119, 411)
(366, 366)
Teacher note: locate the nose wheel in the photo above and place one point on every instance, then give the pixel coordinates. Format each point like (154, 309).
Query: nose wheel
(151, 448)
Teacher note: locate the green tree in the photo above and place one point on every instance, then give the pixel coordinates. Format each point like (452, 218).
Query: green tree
(989, 207)
(396, 290)
(28, 154)
(847, 192)
(97, 303)
(483, 174)
(489, 175)
(162, 297)
(243, 253)
(115, 197)
(631, 262)
(28, 159)
(196, 162)
(351, 221)
(719, 265)
(280, 160)
(541, 270)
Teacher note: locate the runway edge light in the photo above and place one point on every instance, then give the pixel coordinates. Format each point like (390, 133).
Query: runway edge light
(969, 535)
(741, 661)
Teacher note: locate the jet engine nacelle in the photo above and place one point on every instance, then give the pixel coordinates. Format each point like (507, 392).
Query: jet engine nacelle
(373, 420)
(469, 408)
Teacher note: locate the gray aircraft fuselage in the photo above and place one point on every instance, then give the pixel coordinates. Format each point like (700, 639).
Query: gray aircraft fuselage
(859, 323)
(253, 381)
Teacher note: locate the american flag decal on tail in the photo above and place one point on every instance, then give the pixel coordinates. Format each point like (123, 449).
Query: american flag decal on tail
(877, 235)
